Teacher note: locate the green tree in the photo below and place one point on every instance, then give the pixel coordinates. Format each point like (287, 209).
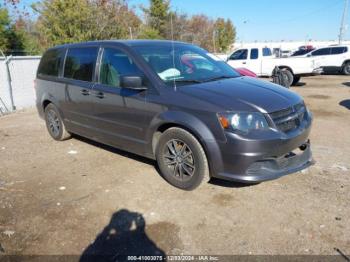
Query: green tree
(158, 16)
(147, 32)
(68, 21)
(230, 31)
(224, 34)
(4, 29)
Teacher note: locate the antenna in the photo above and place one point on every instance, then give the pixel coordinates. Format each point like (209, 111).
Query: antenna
(172, 45)
(343, 26)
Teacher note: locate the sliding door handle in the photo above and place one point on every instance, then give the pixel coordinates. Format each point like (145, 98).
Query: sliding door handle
(85, 92)
(100, 95)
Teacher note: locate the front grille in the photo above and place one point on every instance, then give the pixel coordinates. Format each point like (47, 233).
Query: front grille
(290, 118)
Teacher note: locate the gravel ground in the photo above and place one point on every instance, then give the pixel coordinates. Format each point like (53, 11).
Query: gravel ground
(69, 197)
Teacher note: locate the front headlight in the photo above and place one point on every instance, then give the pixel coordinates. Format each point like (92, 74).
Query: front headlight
(242, 121)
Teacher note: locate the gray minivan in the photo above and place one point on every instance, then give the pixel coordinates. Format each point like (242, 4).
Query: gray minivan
(178, 104)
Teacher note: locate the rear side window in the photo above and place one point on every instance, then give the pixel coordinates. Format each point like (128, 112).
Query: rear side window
(339, 50)
(51, 62)
(266, 51)
(80, 63)
(322, 51)
(254, 53)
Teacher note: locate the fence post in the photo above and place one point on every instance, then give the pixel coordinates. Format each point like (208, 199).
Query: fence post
(9, 82)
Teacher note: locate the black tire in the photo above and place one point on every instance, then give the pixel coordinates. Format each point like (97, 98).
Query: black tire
(289, 76)
(346, 68)
(181, 171)
(54, 123)
(296, 80)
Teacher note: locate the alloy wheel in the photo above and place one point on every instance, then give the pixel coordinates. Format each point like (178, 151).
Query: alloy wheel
(180, 160)
(53, 123)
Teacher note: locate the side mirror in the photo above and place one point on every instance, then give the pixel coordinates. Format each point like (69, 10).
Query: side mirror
(132, 82)
(309, 55)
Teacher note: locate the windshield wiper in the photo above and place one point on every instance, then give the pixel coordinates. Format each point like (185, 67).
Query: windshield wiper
(217, 78)
(186, 81)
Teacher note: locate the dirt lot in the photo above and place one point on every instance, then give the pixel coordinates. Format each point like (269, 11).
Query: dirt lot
(57, 197)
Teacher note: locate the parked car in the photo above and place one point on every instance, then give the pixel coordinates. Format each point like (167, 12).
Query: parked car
(332, 58)
(197, 62)
(246, 72)
(209, 121)
(262, 62)
(303, 50)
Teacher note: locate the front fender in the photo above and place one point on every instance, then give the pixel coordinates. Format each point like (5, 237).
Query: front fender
(198, 128)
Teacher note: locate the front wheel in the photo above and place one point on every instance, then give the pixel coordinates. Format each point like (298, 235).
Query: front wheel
(181, 159)
(288, 77)
(346, 68)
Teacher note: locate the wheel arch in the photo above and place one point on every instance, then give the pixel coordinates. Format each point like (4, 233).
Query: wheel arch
(286, 67)
(345, 62)
(192, 125)
(46, 100)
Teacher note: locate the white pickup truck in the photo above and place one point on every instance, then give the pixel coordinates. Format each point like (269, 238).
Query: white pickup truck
(262, 62)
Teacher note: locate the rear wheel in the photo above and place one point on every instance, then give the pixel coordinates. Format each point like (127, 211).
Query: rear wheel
(346, 68)
(54, 123)
(181, 159)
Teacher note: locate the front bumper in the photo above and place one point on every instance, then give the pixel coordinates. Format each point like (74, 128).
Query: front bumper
(262, 157)
(273, 168)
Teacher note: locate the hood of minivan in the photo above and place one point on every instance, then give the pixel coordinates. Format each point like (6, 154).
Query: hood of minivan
(244, 94)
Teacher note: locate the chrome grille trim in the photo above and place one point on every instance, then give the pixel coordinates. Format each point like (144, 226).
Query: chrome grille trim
(290, 118)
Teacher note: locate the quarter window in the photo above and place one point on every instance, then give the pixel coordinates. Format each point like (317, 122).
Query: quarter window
(80, 63)
(114, 65)
(338, 50)
(51, 62)
(266, 51)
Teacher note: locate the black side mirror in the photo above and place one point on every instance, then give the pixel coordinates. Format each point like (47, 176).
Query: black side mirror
(132, 82)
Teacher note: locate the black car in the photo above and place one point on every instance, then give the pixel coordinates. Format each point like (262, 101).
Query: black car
(178, 104)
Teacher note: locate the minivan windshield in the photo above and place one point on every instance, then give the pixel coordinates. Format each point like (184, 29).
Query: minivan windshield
(185, 64)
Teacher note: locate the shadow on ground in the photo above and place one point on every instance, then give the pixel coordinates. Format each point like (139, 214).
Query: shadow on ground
(300, 84)
(229, 184)
(346, 84)
(117, 151)
(345, 103)
(124, 236)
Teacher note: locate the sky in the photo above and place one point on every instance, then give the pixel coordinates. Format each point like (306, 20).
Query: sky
(268, 20)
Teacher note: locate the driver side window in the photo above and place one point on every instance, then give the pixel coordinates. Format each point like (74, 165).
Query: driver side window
(114, 65)
(241, 54)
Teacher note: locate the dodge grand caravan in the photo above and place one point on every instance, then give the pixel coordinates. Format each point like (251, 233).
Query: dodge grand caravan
(175, 103)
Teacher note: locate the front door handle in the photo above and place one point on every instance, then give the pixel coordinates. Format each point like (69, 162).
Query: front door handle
(85, 92)
(100, 95)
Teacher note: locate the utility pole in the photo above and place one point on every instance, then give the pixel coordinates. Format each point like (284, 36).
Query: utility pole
(130, 31)
(214, 40)
(343, 26)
